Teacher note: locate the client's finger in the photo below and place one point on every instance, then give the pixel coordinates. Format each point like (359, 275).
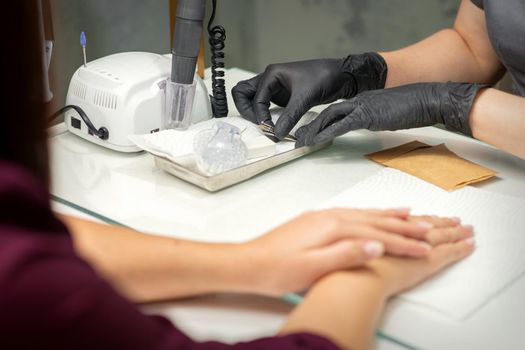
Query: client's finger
(449, 234)
(437, 221)
(449, 253)
(344, 254)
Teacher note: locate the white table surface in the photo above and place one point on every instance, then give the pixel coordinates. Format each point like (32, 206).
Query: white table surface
(127, 188)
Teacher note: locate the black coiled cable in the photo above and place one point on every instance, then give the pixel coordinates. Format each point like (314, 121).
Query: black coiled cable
(217, 38)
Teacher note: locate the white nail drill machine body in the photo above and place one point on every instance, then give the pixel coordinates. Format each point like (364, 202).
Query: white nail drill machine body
(123, 93)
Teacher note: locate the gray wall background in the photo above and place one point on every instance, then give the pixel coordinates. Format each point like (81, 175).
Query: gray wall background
(259, 32)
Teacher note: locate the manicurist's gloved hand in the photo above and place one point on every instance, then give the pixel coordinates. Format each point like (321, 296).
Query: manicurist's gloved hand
(404, 107)
(298, 86)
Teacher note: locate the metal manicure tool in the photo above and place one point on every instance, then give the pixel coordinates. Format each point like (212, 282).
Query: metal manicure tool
(267, 127)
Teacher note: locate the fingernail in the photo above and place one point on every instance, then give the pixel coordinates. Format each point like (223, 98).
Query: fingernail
(470, 241)
(426, 225)
(468, 227)
(403, 210)
(426, 246)
(456, 220)
(373, 249)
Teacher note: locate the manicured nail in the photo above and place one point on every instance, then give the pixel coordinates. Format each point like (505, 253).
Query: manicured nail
(470, 241)
(426, 246)
(468, 227)
(426, 225)
(456, 220)
(373, 249)
(403, 210)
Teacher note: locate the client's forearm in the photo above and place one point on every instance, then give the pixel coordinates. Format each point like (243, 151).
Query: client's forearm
(343, 307)
(147, 267)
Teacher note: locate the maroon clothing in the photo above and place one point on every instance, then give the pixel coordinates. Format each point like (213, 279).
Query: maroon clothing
(52, 299)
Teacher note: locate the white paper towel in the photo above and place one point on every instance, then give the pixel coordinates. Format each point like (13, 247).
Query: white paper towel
(177, 145)
(499, 224)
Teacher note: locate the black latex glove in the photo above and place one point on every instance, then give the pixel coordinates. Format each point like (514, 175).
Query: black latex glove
(404, 107)
(298, 86)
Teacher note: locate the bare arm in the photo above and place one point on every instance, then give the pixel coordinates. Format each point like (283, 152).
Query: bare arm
(462, 54)
(498, 118)
(147, 267)
(346, 306)
(465, 54)
(343, 307)
(289, 258)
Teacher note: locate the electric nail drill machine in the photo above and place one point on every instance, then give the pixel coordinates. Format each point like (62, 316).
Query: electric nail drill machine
(127, 93)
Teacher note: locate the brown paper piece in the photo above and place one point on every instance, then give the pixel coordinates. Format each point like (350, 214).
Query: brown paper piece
(437, 165)
(384, 156)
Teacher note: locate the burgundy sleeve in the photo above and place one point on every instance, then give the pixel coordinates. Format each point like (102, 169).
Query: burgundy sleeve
(50, 298)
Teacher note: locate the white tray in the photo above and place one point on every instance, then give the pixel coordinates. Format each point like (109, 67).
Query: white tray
(190, 172)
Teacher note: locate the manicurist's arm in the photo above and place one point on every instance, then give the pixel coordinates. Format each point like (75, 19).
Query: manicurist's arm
(498, 118)
(463, 53)
(431, 82)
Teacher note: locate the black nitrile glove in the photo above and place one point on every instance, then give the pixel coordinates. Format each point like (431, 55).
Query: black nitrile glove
(298, 86)
(404, 107)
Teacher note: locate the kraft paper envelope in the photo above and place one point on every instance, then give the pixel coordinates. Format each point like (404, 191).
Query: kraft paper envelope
(435, 164)
(388, 154)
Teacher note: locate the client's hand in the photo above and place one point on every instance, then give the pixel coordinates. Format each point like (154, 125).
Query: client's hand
(399, 274)
(346, 305)
(298, 253)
